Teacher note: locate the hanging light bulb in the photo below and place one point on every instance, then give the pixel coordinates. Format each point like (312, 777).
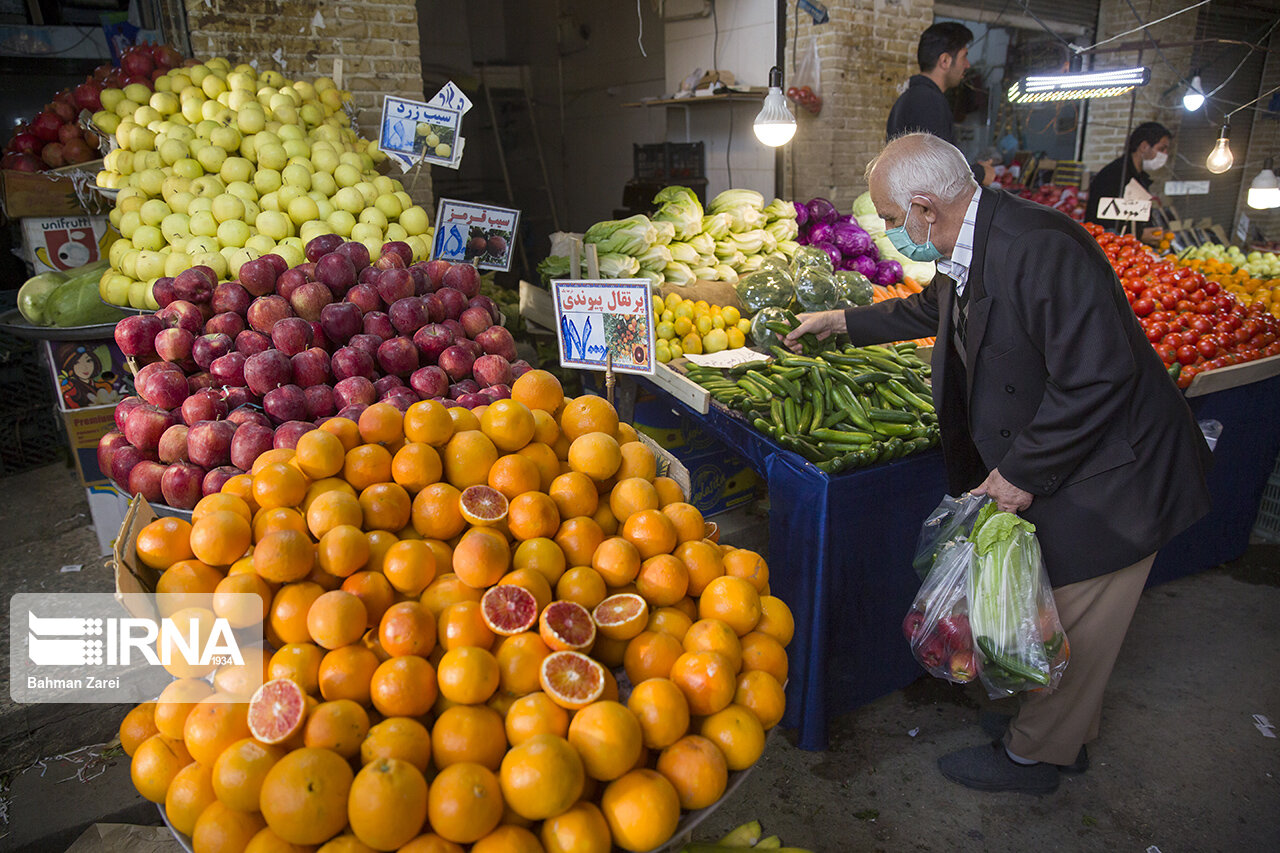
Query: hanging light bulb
(775, 125)
(1264, 192)
(1193, 99)
(1220, 158)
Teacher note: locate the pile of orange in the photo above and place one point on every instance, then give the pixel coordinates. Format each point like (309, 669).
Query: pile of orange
(451, 598)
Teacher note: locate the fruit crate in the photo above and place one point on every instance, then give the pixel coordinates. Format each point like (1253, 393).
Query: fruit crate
(1267, 525)
(670, 160)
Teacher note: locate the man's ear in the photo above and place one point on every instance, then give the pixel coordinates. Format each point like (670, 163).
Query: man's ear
(945, 61)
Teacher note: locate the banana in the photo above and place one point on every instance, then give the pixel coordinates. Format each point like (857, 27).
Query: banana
(773, 842)
(744, 836)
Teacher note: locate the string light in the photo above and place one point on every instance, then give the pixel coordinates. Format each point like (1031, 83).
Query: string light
(775, 125)
(1193, 99)
(1065, 87)
(1220, 158)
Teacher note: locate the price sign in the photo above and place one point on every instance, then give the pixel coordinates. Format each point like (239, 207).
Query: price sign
(1131, 210)
(475, 231)
(412, 131)
(596, 319)
(1186, 187)
(1242, 228)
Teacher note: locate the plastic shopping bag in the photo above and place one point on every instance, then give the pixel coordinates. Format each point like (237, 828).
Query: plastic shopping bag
(1019, 641)
(937, 626)
(953, 517)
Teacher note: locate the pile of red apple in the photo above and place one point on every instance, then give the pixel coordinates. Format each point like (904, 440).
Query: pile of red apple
(232, 370)
(54, 138)
(1070, 200)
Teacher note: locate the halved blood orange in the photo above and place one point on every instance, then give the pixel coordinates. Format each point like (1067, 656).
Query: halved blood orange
(277, 710)
(567, 626)
(712, 531)
(571, 679)
(482, 506)
(621, 616)
(508, 609)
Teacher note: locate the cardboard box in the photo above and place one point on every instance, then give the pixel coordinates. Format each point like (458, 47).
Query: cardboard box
(84, 428)
(89, 378)
(64, 242)
(52, 193)
(719, 481)
(107, 508)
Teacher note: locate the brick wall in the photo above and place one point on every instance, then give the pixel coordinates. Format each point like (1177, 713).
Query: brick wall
(377, 41)
(1106, 133)
(867, 50)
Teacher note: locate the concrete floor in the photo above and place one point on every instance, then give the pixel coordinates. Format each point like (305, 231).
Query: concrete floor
(1180, 765)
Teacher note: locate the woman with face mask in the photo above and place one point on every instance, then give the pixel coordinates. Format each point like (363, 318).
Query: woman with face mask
(1148, 151)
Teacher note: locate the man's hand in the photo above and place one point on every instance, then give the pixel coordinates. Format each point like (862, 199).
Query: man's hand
(1007, 496)
(820, 323)
(988, 172)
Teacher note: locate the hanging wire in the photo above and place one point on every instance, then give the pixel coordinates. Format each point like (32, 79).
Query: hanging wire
(640, 36)
(1141, 26)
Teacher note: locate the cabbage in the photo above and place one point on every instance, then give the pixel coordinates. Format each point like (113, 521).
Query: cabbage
(716, 226)
(630, 236)
(683, 252)
(703, 243)
(779, 209)
(681, 208)
(724, 272)
(832, 252)
(761, 336)
(812, 256)
(862, 205)
(751, 264)
(705, 273)
(872, 224)
(888, 272)
(770, 243)
(816, 289)
(783, 229)
(656, 279)
(748, 242)
(615, 265)
(802, 214)
(656, 258)
(730, 199)
(788, 248)
(555, 266)
(852, 240)
(820, 232)
(764, 288)
(678, 273)
(821, 210)
(666, 232)
(853, 288)
(865, 264)
(726, 249)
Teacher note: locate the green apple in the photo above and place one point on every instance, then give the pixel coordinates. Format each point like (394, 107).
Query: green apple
(226, 138)
(350, 200)
(154, 211)
(114, 216)
(266, 181)
(238, 99)
(198, 246)
(192, 109)
(363, 232)
(313, 229)
(242, 190)
(414, 220)
(286, 113)
(215, 112)
(203, 224)
(165, 103)
(233, 232)
(271, 155)
(341, 222)
(296, 175)
(325, 160)
(176, 262)
(211, 158)
(188, 168)
(151, 181)
(129, 263)
(236, 169)
(269, 201)
(114, 289)
(138, 292)
(375, 217)
(146, 114)
(368, 191)
(297, 148)
(214, 260)
(324, 183)
(141, 139)
(129, 223)
(251, 210)
(395, 231)
(150, 160)
(227, 207)
(287, 194)
(388, 205)
(293, 255)
(111, 98)
(213, 85)
(138, 93)
(117, 251)
(260, 243)
(346, 175)
(173, 150)
(303, 209)
(198, 73)
(175, 226)
(251, 118)
(386, 185)
(209, 186)
(150, 264)
(240, 257)
(200, 204)
(271, 78)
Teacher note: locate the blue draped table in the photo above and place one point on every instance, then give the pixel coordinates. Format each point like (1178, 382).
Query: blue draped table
(841, 546)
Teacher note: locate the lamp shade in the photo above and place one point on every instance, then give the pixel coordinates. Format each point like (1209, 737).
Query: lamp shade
(775, 125)
(1264, 192)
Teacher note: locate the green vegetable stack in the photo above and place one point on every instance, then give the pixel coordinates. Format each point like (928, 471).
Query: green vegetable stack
(838, 408)
(1019, 638)
(67, 299)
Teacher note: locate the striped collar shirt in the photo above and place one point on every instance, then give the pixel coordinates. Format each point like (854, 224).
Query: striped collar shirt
(957, 266)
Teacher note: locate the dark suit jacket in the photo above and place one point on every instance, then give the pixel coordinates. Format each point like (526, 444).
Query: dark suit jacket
(1058, 388)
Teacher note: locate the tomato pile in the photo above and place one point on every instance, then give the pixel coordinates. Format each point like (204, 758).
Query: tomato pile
(1191, 320)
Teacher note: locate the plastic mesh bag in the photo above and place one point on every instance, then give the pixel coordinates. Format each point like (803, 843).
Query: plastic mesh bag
(937, 625)
(1019, 642)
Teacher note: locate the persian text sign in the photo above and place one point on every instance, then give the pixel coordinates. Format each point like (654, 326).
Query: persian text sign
(413, 131)
(595, 319)
(474, 231)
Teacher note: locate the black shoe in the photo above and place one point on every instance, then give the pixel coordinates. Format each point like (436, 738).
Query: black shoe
(994, 725)
(989, 768)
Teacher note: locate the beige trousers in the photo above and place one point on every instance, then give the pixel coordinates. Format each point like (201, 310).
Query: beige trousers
(1095, 614)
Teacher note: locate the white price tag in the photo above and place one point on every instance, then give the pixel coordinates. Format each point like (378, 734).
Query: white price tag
(1242, 228)
(411, 131)
(599, 318)
(1125, 209)
(726, 358)
(1186, 187)
(474, 231)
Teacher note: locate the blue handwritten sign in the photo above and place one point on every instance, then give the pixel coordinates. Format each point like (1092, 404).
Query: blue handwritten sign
(597, 318)
(412, 131)
(466, 232)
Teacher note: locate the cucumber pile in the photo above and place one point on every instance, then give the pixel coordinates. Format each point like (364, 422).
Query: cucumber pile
(841, 409)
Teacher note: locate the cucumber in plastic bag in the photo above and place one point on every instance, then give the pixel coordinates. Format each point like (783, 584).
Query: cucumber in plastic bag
(812, 256)
(764, 288)
(853, 288)
(816, 289)
(761, 336)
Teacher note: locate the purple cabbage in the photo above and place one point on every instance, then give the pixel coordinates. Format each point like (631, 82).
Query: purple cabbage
(887, 272)
(848, 217)
(820, 232)
(802, 213)
(851, 240)
(865, 264)
(832, 252)
(849, 262)
(821, 210)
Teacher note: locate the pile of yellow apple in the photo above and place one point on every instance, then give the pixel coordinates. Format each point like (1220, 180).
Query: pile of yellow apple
(695, 326)
(221, 165)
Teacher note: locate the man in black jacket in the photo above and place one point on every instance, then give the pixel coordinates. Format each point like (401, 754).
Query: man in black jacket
(943, 54)
(1148, 150)
(1052, 402)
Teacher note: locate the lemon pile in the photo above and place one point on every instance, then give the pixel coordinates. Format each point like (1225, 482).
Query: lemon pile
(689, 326)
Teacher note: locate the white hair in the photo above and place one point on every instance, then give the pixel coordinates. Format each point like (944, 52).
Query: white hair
(916, 164)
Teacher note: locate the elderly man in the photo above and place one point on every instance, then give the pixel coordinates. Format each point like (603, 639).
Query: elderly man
(1052, 402)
